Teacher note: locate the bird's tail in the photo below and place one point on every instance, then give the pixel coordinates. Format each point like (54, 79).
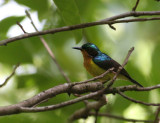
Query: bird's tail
(135, 82)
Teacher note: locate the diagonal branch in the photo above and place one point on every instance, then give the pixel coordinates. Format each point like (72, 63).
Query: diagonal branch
(134, 20)
(94, 78)
(137, 101)
(21, 27)
(157, 118)
(47, 48)
(120, 118)
(135, 7)
(8, 78)
(109, 21)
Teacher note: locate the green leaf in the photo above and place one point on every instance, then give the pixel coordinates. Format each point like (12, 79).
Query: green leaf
(40, 5)
(70, 14)
(6, 23)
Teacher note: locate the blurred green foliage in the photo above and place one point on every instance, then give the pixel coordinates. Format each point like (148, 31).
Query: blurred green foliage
(70, 16)
(143, 64)
(6, 23)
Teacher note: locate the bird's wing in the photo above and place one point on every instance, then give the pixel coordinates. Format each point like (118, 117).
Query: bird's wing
(105, 62)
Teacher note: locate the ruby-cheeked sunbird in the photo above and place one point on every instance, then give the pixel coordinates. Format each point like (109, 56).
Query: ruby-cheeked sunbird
(97, 63)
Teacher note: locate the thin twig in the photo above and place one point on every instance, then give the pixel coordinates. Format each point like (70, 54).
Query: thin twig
(50, 53)
(8, 78)
(134, 8)
(134, 20)
(157, 118)
(21, 27)
(119, 117)
(109, 20)
(94, 78)
(131, 88)
(48, 49)
(112, 27)
(40, 102)
(137, 101)
(96, 116)
(120, 68)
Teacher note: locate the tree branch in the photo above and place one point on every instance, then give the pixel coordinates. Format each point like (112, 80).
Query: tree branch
(134, 8)
(21, 27)
(109, 21)
(120, 118)
(156, 117)
(137, 101)
(26, 106)
(10, 76)
(94, 78)
(48, 49)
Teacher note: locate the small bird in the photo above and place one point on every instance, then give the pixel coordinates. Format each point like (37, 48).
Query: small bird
(97, 63)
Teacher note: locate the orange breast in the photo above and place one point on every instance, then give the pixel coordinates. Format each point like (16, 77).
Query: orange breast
(87, 60)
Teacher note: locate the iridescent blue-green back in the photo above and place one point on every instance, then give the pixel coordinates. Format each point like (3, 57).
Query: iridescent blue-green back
(101, 57)
(105, 62)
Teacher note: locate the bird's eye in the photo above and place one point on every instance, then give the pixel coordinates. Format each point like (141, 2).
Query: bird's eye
(92, 52)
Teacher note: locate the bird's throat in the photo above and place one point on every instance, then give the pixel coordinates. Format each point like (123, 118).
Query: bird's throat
(87, 59)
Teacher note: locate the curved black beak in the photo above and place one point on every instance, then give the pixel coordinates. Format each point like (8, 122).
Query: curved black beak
(77, 48)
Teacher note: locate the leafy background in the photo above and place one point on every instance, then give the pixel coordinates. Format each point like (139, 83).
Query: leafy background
(38, 72)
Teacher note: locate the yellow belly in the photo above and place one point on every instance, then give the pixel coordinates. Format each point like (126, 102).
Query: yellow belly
(95, 70)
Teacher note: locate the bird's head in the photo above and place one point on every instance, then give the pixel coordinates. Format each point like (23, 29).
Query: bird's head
(88, 49)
